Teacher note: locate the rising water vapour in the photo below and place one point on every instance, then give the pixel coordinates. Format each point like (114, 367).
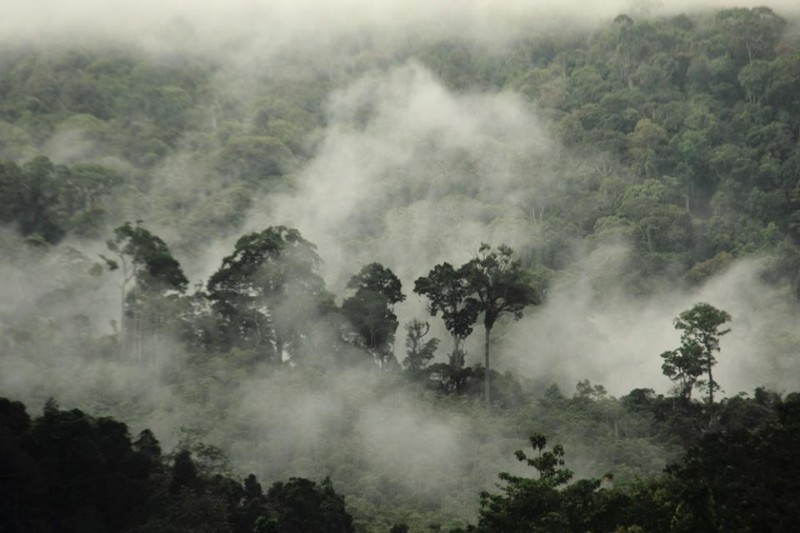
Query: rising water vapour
(411, 174)
(405, 171)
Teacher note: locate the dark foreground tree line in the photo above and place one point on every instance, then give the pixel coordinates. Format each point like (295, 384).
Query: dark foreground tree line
(66, 471)
(691, 126)
(739, 480)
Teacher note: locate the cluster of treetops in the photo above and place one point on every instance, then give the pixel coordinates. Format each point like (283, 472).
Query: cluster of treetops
(687, 126)
(737, 475)
(692, 124)
(268, 303)
(66, 471)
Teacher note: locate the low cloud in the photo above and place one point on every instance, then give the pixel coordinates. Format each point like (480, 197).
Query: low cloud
(410, 174)
(597, 331)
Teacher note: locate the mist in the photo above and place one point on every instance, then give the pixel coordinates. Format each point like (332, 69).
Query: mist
(265, 26)
(411, 174)
(404, 171)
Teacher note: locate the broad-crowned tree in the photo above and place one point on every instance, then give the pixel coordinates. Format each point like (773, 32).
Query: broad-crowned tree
(498, 285)
(447, 290)
(529, 504)
(302, 506)
(371, 310)
(267, 291)
(701, 329)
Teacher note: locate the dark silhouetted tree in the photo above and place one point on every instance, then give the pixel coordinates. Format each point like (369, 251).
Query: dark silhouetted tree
(152, 301)
(498, 285)
(371, 310)
(701, 330)
(447, 290)
(266, 293)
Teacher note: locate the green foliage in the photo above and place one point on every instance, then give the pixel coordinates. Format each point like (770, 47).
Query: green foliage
(498, 284)
(703, 105)
(676, 135)
(527, 504)
(152, 265)
(731, 480)
(48, 200)
(255, 159)
(302, 506)
(418, 352)
(370, 310)
(151, 307)
(29, 198)
(446, 290)
(700, 327)
(265, 291)
(756, 494)
(68, 471)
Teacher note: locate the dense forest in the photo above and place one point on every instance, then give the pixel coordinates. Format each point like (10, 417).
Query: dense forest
(543, 278)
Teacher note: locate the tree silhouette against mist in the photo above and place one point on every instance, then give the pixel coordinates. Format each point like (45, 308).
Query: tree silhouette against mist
(700, 327)
(144, 259)
(419, 352)
(492, 284)
(371, 309)
(499, 285)
(265, 291)
(446, 289)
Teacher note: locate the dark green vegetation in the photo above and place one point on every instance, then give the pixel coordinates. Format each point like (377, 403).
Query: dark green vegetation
(68, 471)
(677, 138)
(736, 480)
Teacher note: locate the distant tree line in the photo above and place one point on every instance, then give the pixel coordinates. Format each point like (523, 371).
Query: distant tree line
(685, 128)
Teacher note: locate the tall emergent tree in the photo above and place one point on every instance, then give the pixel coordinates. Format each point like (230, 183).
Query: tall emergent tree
(371, 309)
(447, 290)
(498, 285)
(701, 330)
(144, 259)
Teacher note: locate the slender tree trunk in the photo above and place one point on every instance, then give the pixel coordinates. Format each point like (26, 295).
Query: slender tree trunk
(122, 325)
(710, 386)
(137, 331)
(457, 357)
(486, 384)
(711, 413)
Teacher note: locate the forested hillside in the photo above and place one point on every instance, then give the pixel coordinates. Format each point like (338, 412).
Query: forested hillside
(385, 258)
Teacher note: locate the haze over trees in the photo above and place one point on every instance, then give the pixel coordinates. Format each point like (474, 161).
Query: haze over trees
(238, 268)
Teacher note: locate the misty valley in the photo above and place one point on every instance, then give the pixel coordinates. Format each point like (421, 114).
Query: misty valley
(300, 267)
